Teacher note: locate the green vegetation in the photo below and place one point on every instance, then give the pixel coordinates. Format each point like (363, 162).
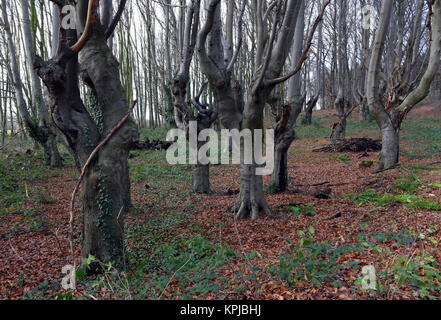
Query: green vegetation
(425, 136)
(316, 263)
(344, 158)
(313, 132)
(16, 170)
(410, 201)
(307, 210)
(410, 184)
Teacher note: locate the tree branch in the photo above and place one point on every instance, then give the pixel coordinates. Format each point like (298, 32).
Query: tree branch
(304, 55)
(240, 38)
(116, 19)
(91, 17)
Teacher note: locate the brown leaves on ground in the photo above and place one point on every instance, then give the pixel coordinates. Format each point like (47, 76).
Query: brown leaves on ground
(30, 258)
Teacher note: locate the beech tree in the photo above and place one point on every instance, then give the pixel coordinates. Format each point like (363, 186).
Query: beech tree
(284, 128)
(37, 124)
(405, 88)
(217, 63)
(106, 185)
(266, 77)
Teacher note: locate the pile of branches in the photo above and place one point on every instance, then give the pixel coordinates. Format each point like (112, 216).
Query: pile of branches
(151, 145)
(353, 145)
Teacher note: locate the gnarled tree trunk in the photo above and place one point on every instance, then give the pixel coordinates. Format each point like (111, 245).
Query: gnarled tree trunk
(106, 189)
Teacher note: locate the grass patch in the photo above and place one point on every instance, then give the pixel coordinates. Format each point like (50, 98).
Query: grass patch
(424, 136)
(344, 158)
(313, 132)
(410, 201)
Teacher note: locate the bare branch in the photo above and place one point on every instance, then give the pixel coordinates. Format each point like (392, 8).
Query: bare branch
(116, 19)
(240, 37)
(91, 17)
(304, 55)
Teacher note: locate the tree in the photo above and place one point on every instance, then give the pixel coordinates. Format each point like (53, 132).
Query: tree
(342, 103)
(106, 189)
(38, 128)
(266, 77)
(400, 98)
(217, 64)
(284, 128)
(181, 80)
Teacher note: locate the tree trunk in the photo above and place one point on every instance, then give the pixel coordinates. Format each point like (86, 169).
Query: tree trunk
(51, 155)
(363, 111)
(107, 185)
(310, 107)
(338, 134)
(251, 198)
(201, 178)
(279, 178)
(389, 156)
(308, 117)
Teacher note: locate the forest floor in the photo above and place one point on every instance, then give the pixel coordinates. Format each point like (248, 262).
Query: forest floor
(180, 245)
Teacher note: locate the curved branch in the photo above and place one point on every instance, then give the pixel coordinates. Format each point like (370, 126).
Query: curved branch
(270, 48)
(190, 36)
(203, 34)
(421, 91)
(198, 105)
(91, 17)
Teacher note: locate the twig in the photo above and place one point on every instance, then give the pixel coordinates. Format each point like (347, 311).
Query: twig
(174, 274)
(16, 253)
(26, 190)
(58, 240)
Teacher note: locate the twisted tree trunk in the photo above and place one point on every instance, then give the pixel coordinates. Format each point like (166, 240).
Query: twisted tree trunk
(106, 189)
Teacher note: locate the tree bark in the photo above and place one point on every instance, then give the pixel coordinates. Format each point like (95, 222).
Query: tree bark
(390, 136)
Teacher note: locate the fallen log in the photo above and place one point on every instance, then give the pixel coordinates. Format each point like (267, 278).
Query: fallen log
(353, 145)
(151, 145)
